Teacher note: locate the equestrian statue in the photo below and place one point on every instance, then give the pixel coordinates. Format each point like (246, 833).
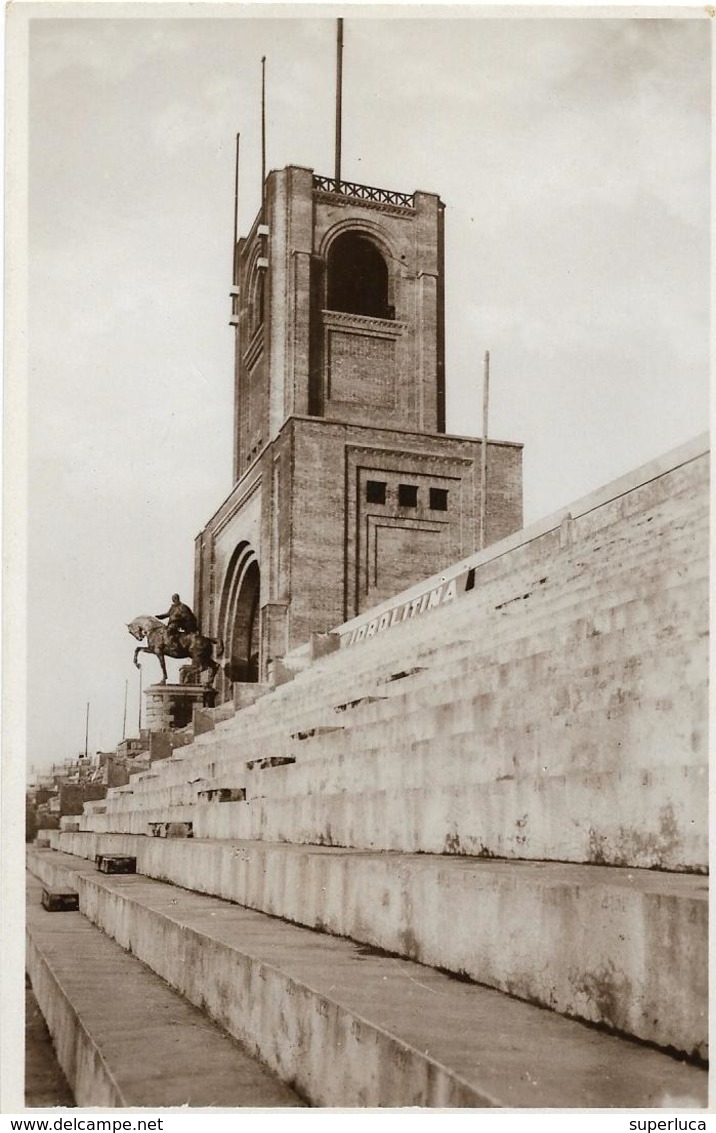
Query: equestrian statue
(179, 638)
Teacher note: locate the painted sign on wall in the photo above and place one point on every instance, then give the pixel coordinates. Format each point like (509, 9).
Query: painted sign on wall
(429, 599)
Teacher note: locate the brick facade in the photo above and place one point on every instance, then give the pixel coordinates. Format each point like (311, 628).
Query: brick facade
(346, 487)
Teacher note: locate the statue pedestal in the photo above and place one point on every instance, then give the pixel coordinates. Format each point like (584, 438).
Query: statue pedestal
(170, 707)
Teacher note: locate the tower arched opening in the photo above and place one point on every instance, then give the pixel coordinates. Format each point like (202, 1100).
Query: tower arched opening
(358, 278)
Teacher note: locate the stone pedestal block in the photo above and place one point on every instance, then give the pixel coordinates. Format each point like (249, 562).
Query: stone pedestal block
(160, 745)
(202, 720)
(279, 672)
(117, 774)
(246, 692)
(169, 707)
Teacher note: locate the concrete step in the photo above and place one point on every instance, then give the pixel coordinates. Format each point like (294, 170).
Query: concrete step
(649, 725)
(498, 641)
(123, 1038)
(567, 657)
(574, 736)
(531, 694)
(604, 588)
(382, 755)
(481, 633)
(578, 818)
(350, 1026)
(627, 949)
(628, 732)
(489, 664)
(656, 819)
(463, 755)
(490, 671)
(462, 743)
(45, 1085)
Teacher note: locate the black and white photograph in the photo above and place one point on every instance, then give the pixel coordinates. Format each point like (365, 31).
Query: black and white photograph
(356, 560)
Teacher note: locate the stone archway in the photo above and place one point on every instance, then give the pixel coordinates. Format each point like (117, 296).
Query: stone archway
(239, 618)
(243, 639)
(358, 277)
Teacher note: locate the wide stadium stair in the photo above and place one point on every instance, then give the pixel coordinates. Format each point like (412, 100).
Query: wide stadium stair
(123, 1036)
(463, 861)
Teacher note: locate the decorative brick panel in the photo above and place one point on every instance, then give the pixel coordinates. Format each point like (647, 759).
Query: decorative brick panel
(361, 369)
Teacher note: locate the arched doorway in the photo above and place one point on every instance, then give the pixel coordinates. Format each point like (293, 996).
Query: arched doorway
(244, 635)
(239, 618)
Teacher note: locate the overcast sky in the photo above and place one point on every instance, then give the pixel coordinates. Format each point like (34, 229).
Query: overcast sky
(573, 158)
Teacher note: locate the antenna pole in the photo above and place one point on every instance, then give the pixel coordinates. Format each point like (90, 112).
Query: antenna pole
(483, 477)
(235, 256)
(263, 137)
(236, 209)
(339, 96)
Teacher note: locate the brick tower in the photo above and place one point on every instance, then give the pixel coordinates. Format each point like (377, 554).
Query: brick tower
(346, 488)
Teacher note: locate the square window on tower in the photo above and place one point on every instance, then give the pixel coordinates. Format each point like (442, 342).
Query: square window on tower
(438, 499)
(375, 491)
(407, 495)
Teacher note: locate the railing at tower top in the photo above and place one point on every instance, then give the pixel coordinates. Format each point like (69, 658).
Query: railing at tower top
(363, 192)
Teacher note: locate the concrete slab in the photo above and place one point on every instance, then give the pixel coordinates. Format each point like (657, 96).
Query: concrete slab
(354, 1028)
(45, 1084)
(123, 1037)
(577, 817)
(570, 818)
(577, 671)
(624, 948)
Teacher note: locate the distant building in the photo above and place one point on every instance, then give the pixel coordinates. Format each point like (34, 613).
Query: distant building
(73, 782)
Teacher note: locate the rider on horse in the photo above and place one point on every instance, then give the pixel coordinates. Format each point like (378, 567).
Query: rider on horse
(180, 620)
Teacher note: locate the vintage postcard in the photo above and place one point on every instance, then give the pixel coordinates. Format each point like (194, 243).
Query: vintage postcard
(356, 533)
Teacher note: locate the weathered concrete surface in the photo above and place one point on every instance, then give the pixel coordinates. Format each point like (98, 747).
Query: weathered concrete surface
(624, 948)
(45, 1084)
(557, 715)
(123, 1038)
(570, 818)
(557, 712)
(482, 709)
(353, 1028)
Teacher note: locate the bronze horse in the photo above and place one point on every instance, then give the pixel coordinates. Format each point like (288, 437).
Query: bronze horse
(194, 645)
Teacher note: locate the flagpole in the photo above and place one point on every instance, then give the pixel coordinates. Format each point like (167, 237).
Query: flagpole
(236, 206)
(339, 97)
(483, 477)
(234, 320)
(234, 262)
(263, 137)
